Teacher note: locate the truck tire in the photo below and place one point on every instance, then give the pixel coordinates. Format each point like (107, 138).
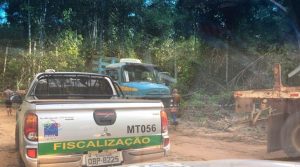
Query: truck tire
(290, 135)
(19, 158)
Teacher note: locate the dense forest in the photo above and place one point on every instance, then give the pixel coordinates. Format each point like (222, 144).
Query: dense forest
(210, 46)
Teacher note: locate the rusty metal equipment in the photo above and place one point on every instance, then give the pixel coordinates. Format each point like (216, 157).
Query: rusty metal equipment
(278, 105)
(278, 92)
(258, 101)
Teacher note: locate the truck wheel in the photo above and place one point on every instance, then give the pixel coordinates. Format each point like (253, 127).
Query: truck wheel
(19, 158)
(20, 161)
(290, 135)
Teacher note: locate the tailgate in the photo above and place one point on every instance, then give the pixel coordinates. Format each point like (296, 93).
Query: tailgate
(76, 128)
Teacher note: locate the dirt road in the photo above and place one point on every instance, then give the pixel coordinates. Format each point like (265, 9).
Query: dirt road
(188, 144)
(203, 144)
(8, 155)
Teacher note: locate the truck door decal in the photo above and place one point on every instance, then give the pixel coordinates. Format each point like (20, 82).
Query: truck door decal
(98, 144)
(51, 129)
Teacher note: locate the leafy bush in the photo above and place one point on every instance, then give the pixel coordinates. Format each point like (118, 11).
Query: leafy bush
(202, 106)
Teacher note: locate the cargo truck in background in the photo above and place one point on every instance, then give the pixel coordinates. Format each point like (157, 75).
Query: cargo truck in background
(137, 79)
(282, 104)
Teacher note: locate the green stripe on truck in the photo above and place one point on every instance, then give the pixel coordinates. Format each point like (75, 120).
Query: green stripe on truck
(98, 144)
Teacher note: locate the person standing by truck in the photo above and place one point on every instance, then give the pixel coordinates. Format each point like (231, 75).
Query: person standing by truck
(175, 105)
(8, 102)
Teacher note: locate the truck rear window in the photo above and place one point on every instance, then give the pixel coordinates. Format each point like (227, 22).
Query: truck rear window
(67, 86)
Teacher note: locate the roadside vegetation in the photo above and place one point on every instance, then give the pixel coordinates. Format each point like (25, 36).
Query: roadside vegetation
(210, 52)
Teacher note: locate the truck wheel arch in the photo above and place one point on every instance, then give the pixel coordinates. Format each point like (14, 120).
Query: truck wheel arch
(17, 138)
(17, 146)
(290, 135)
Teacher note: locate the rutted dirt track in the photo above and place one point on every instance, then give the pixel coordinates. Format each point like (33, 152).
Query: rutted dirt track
(188, 144)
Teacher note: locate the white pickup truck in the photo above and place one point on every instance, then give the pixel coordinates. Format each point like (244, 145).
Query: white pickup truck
(80, 119)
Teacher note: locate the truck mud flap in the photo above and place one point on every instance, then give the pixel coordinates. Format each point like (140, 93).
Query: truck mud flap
(275, 122)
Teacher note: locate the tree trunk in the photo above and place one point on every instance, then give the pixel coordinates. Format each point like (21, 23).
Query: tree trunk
(226, 61)
(21, 78)
(101, 31)
(42, 34)
(95, 30)
(33, 58)
(29, 28)
(175, 67)
(4, 66)
(94, 38)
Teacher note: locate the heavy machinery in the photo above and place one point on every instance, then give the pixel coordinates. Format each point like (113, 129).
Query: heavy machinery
(282, 104)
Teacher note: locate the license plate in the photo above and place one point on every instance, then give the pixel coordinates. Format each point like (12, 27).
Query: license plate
(106, 158)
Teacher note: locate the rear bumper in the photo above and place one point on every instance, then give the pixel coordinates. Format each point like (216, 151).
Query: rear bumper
(77, 160)
(145, 154)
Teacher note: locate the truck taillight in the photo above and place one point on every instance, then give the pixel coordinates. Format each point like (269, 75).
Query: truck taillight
(31, 127)
(164, 121)
(31, 152)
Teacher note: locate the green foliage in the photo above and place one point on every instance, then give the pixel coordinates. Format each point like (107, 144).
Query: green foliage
(67, 15)
(65, 55)
(202, 99)
(68, 48)
(200, 41)
(186, 54)
(202, 106)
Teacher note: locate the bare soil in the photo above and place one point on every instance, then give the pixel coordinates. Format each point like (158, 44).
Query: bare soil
(8, 154)
(189, 142)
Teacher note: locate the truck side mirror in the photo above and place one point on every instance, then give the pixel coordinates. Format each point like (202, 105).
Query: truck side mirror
(166, 78)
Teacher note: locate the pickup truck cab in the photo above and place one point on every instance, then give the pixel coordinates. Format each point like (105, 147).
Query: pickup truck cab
(80, 119)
